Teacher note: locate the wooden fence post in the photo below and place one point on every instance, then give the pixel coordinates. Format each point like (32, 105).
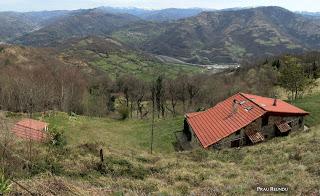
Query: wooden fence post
(101, 156)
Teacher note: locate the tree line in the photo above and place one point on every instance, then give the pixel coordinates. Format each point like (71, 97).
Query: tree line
(68, 89)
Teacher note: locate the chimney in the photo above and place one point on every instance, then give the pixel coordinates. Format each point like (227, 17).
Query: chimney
(274, 102)
(234, 106)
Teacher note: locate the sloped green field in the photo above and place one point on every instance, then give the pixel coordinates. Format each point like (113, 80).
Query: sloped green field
(130, 169)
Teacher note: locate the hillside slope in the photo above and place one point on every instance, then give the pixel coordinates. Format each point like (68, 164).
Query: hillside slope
(79, 23)
(95, 57)
(228, 36)
(279, 162)
(28, 58)
(16, 24)
(13, 25)
(116, 58)
(128, 168)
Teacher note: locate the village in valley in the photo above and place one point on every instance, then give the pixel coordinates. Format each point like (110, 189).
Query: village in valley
(130, 101)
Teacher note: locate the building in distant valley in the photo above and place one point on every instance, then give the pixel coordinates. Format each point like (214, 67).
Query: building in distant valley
(240, 120)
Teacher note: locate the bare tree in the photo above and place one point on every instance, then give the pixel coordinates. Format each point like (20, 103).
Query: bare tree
(160, 95)
(153, 100)
(194, 85)
(172, 94)
(182, 90)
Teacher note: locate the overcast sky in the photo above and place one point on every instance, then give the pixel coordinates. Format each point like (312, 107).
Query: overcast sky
(36, 5)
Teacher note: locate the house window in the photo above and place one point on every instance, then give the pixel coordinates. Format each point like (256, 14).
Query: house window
(235, 143)
(265, 120)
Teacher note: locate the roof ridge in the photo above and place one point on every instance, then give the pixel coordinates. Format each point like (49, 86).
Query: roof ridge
(254, 102)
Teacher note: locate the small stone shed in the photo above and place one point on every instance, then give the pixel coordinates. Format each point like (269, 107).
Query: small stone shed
(242, 119)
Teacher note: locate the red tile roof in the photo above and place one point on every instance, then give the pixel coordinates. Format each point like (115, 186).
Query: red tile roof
(219, 121)
(281, 106)
(30, 129)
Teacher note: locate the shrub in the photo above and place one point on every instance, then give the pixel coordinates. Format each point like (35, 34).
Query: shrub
(58, 138)
(123, 111)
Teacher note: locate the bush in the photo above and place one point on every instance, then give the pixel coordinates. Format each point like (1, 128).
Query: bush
(123, 111)
(58, 138)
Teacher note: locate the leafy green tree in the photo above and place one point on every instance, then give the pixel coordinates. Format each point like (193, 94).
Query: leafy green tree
(293, 77)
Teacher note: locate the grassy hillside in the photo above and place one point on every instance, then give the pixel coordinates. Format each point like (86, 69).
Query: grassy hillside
(311, 104)
(232, 172)
(116, 58)
(128, 167)
(134, 134)
(93, 56)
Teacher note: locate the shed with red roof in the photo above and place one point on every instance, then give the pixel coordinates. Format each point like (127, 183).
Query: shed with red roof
(31, 129)
(242, 119)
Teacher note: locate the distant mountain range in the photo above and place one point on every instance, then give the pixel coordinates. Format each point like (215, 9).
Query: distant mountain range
(228, 36)
(317, 14)
(192, 35)
(169, 14)
(80, 23)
